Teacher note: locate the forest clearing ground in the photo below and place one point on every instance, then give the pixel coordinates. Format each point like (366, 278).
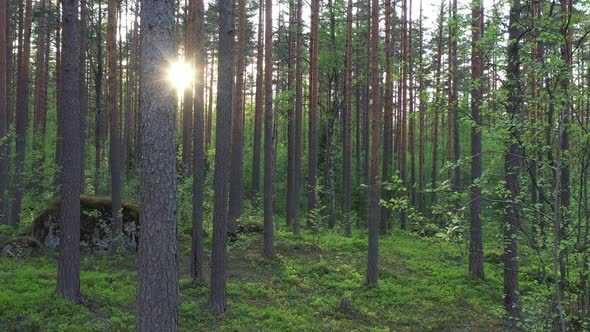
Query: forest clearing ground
(315, 283)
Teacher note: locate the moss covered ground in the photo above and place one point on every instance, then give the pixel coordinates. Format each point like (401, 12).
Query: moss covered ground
(315, 283)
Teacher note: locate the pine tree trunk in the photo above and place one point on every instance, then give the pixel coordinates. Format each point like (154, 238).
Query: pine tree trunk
(237, 153)
(225, 90)
(387, 115)
(98, 131)
(375, 185)
(22, 114)
(157, 290)
(112, 109)
(268, 135)
(68, 269)
(198, 149)
(347, 125)
(313, 108)
(298, 121)
(437, 102)
(259, 106)
(4, 110)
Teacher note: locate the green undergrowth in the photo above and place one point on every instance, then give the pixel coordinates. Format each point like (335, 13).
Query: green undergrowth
(314, 283)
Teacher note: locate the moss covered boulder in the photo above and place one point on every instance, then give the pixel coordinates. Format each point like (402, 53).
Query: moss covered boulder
(95, 224)
(23, 246)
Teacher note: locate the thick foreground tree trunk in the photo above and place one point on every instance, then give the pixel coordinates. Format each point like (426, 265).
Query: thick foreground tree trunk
(157, 290)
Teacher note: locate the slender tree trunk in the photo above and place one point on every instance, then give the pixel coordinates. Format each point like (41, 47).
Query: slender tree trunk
(157, 289)
(512, 166)
(313, 108)
(298, 120)
(198, 149)
(454, 99)
(347, 124)
(112, 109)
(268, 135)
(98, 143)
(437, 101)
(237, 157)
(225, 90)
(187, 101)
(476, 270)
(68, 269)
(402, 151)
(412, 111)
(422, 122)
(566, 108)
(259, 106)
(375, 185)
(290, 113)
(387, 114)
(4, 110)
(22, 114)
(83, 89)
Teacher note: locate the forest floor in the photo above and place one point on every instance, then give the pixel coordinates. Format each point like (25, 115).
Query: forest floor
(315, 283)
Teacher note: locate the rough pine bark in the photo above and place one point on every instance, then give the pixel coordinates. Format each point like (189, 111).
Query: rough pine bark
(198, 148)
(157, 290)
(68, 269)
(225, 90)
(237, 152)
(22, 115)
(268, 136)
(476, 269)
(259, 105)
(375, 185)
(513, 164)
(112, 109)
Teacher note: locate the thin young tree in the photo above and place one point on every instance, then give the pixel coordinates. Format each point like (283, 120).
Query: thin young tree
(513, 164)
(237, 149)
(268, 135)
(375, 185)
(225, 90)
(157, 290)
(68, 269)
(196, 8)
(476, 269)
(112, 109)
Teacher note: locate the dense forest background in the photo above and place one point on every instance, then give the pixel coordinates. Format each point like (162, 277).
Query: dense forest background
(464, 124)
